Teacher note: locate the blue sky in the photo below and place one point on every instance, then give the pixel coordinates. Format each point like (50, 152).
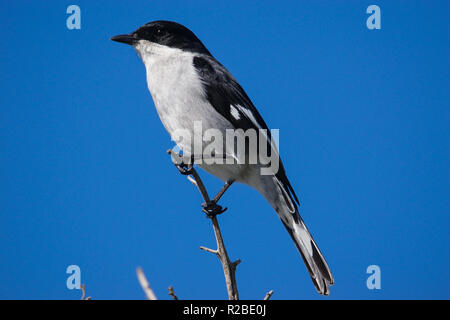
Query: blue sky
(363, 118)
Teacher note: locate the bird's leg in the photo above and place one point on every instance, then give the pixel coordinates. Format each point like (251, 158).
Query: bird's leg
(222, 191)
(211, 208)
(184, 169)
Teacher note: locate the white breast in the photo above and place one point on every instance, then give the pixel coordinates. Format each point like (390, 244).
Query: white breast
(177, 91)
(181, 103)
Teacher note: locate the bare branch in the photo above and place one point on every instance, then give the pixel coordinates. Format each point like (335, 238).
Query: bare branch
(268, 295)
(201, 187)
(145, 285)
(192, 180)
(229, 268)
(172, 293)
(83, 293)
(209, 250)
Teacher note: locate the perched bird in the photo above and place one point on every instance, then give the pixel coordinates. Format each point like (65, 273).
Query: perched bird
(188, 86)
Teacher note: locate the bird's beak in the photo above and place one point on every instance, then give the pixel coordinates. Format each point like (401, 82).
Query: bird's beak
(125, 38)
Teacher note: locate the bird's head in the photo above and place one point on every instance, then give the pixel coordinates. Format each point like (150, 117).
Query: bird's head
(159, 36)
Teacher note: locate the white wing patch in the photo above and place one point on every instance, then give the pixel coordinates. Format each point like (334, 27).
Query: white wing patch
(234, 112)
(250, 115)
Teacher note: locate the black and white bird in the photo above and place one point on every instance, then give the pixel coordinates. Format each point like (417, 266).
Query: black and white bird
(189, 85)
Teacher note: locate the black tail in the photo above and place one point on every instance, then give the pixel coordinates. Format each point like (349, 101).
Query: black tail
(315, 262)
(281, 200)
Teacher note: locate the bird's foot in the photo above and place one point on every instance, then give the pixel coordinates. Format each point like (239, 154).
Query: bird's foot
(212, 209)
(184, 169)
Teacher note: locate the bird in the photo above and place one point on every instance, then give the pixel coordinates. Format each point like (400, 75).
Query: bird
(189, 86)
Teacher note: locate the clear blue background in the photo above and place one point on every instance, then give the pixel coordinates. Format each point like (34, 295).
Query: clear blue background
(363, 118)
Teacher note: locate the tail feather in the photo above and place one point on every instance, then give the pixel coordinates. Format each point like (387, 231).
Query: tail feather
(281, 200)
(315, 262)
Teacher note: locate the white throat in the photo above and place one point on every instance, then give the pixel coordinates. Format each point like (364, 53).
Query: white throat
(173, 83)
(151, 52)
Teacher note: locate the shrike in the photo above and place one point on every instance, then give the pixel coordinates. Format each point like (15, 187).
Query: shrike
(188, 86)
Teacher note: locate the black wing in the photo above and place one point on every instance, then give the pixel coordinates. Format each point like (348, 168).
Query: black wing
(222, 92)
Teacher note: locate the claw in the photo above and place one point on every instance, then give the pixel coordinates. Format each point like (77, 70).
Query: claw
(212, 209)
(184, 169)
(178, 161)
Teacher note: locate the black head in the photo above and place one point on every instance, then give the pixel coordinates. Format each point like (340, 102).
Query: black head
(165, 33)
